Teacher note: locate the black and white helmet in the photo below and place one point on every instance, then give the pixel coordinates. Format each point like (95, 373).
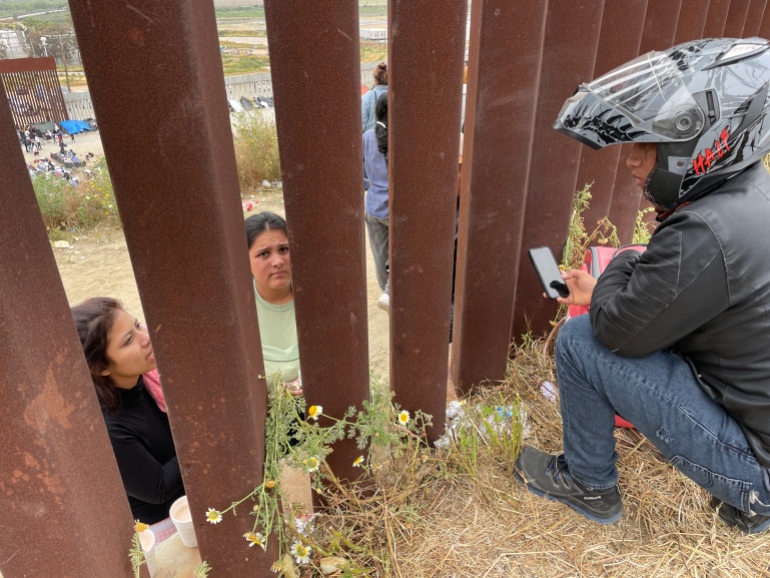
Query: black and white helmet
(704, 103)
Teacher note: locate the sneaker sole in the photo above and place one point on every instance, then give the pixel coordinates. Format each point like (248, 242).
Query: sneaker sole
(382, 306)
(578, 509)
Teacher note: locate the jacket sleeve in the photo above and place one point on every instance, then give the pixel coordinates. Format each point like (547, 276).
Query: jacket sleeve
(366, 108)
(646, 302)
(144, 477)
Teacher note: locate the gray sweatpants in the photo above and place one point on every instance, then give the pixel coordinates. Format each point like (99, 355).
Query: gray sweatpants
(378, 241)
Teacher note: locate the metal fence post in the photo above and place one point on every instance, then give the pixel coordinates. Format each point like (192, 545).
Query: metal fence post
(569, 53)
(155, 76)
(317, 90)
(426, 48)
(502, 86)
(66, 512)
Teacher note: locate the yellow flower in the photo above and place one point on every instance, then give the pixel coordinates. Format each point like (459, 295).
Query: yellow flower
(255, 539)
(270, 484)
(403, 417)
(315, 411)
(311, 464)
(358, 461)
(213, 516)
(140, 527)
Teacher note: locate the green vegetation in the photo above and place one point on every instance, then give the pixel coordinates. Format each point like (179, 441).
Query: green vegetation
(579, 238)
(30, 6)
(256, 150)
(241, 12)
(643, 229)
(236, 45)
(397, 467)
(373, 51)
(244, 64)
(225, 33)
(65, 207)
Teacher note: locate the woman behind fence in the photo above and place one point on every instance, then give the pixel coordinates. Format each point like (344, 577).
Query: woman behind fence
(368, 101)
(376, 205)
(122, 364)
(270, 261)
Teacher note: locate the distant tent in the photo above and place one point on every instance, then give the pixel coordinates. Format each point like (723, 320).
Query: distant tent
(235, 106)
(246, 103)
(74, 126)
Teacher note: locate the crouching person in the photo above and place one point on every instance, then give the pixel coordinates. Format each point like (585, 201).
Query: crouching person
(678, 338)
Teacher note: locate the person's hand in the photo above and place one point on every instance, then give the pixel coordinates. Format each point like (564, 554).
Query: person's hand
(293, 387)
(581, 287)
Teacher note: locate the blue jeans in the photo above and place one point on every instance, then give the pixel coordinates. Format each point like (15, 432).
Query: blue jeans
(661, 396)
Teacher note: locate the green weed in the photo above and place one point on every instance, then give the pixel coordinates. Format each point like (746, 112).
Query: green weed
(643, 229)
(578, 238)
(256, 150)
(233, 64)
(66, 207)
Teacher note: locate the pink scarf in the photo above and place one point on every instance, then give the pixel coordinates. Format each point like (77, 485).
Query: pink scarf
(153, 387)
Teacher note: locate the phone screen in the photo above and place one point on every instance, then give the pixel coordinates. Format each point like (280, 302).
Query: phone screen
(549, 272)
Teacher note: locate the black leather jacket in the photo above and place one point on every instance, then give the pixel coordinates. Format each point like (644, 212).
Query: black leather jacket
(702, 290)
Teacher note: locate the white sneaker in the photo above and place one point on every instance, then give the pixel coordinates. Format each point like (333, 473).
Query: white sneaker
(384, 302)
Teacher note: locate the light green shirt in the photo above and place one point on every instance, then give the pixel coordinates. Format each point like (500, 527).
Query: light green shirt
(278, 331)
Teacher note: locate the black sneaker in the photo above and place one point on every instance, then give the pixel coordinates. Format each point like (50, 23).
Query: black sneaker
(732, 516)
(548, 476)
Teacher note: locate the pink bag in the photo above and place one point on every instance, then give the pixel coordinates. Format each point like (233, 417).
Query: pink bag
(596, 261)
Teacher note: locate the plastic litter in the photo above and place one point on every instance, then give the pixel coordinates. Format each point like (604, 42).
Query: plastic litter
(549, 391)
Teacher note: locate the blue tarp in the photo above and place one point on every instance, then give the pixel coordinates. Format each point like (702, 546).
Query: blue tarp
(74, 126)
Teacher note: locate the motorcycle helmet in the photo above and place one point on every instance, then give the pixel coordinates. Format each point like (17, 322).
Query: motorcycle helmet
(704, 103)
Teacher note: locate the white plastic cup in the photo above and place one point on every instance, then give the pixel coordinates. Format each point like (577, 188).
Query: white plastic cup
(180, 515)
(147, 540)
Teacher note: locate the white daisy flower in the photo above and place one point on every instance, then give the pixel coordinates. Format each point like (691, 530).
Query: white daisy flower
(255, 539)
(213, 516)
(301, 552)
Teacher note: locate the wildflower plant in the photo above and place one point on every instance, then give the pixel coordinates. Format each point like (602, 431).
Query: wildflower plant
(302, 438)
(136, 554)
(579, 238)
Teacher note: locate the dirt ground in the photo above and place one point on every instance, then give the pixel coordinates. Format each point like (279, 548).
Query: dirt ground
(97, 264)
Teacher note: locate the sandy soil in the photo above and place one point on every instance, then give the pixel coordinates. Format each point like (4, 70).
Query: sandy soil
(97, 264)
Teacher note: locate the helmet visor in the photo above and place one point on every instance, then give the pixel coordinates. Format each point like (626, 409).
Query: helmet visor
(651, 93)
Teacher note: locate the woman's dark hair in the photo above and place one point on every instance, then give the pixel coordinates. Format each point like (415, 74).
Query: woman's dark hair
(261, 222)
(93, 320)
(381, 126)
(381, 73)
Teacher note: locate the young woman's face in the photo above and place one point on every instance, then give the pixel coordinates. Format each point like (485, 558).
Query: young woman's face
(270, 262)
(129, 351)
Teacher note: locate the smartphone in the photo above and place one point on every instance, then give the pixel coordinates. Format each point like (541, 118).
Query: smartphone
(549, 272)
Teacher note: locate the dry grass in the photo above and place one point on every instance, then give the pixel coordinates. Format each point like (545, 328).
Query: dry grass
(451, 524)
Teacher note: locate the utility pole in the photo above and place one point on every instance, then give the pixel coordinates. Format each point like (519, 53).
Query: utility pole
(64, 59)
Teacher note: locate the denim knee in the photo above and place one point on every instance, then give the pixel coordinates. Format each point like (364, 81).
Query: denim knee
(577, 328)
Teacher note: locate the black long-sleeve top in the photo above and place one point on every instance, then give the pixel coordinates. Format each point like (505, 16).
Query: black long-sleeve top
(143, 446)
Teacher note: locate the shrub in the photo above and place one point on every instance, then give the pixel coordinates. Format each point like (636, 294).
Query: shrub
(66, 207)
(256, 149)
